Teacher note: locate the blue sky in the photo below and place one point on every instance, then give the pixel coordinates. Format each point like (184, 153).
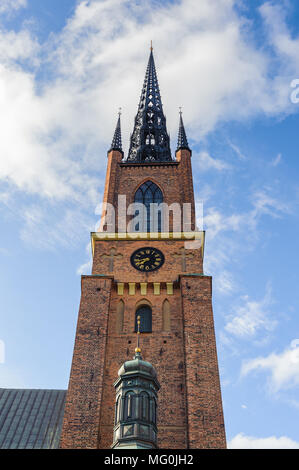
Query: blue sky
(65, 68)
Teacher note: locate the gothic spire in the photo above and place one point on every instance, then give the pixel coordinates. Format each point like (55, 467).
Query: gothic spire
(150, 140)
(116, 141)
(182, 138)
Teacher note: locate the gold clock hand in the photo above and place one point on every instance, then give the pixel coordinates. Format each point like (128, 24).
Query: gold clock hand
(143, 261)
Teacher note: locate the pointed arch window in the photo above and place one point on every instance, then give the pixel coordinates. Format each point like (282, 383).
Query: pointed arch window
(149, 193)
(145, 313)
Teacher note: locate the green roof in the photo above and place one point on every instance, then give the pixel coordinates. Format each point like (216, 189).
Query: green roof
(31, 419)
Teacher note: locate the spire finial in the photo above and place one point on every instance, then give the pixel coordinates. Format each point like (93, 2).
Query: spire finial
(116, 141)
(182, 138)
(152, 46)
(137, 349)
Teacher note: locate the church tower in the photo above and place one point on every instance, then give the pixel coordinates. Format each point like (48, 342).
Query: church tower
(147, 263)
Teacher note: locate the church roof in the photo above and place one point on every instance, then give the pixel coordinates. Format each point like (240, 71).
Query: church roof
(31, 419)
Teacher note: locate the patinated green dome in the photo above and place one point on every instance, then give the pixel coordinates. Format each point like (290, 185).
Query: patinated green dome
(137, 365)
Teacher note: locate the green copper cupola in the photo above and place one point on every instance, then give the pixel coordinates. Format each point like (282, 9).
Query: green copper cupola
(135, 424)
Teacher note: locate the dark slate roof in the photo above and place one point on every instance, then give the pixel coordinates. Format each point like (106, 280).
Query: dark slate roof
(31, 419)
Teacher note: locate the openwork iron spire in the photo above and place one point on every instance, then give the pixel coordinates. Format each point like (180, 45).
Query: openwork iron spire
(150, 140)
(116, 141)
(182, 138)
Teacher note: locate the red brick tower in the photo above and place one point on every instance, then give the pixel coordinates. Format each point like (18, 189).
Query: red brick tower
(156, 275)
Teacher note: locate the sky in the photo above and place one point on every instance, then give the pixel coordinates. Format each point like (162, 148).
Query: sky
(66, 67)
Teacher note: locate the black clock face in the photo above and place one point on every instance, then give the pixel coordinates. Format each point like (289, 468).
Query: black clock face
(147, 259)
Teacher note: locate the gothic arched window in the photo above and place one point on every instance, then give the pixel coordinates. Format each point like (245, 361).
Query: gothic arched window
(145, 313)
(149, 193)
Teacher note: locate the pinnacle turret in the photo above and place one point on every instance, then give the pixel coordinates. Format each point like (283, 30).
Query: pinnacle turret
(116, 141)
(150, 140)
(182, 138)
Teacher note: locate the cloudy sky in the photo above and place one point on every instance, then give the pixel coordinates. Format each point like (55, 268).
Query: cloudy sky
(66, 66)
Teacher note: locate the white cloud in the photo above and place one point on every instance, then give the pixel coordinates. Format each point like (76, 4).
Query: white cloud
(225, 242)
(241, 441)
(250, 317)
(7, 6)
(262, 202)
(55, 131)
(217, 222)
(95, 68)
(286, 46)
(17, 47)
(276, 160)
(237, 150)
(283, 367)
(85, 268)
(225, 283)
(206, 162)
(46, 229)
(265, 204)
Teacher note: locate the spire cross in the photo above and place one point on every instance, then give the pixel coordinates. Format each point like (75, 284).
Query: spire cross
(181, 112)
(119, 111)
(151, 45)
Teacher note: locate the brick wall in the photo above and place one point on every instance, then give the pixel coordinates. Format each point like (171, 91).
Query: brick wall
(189, 407)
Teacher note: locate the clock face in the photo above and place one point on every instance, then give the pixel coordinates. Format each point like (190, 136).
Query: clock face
(147, 259)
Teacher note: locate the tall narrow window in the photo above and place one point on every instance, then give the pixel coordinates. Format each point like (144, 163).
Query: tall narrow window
(130, 405)
(149, 193)
(117, 410)
(144, 406)
(153, 411)
(166, 316)
(145, 313)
